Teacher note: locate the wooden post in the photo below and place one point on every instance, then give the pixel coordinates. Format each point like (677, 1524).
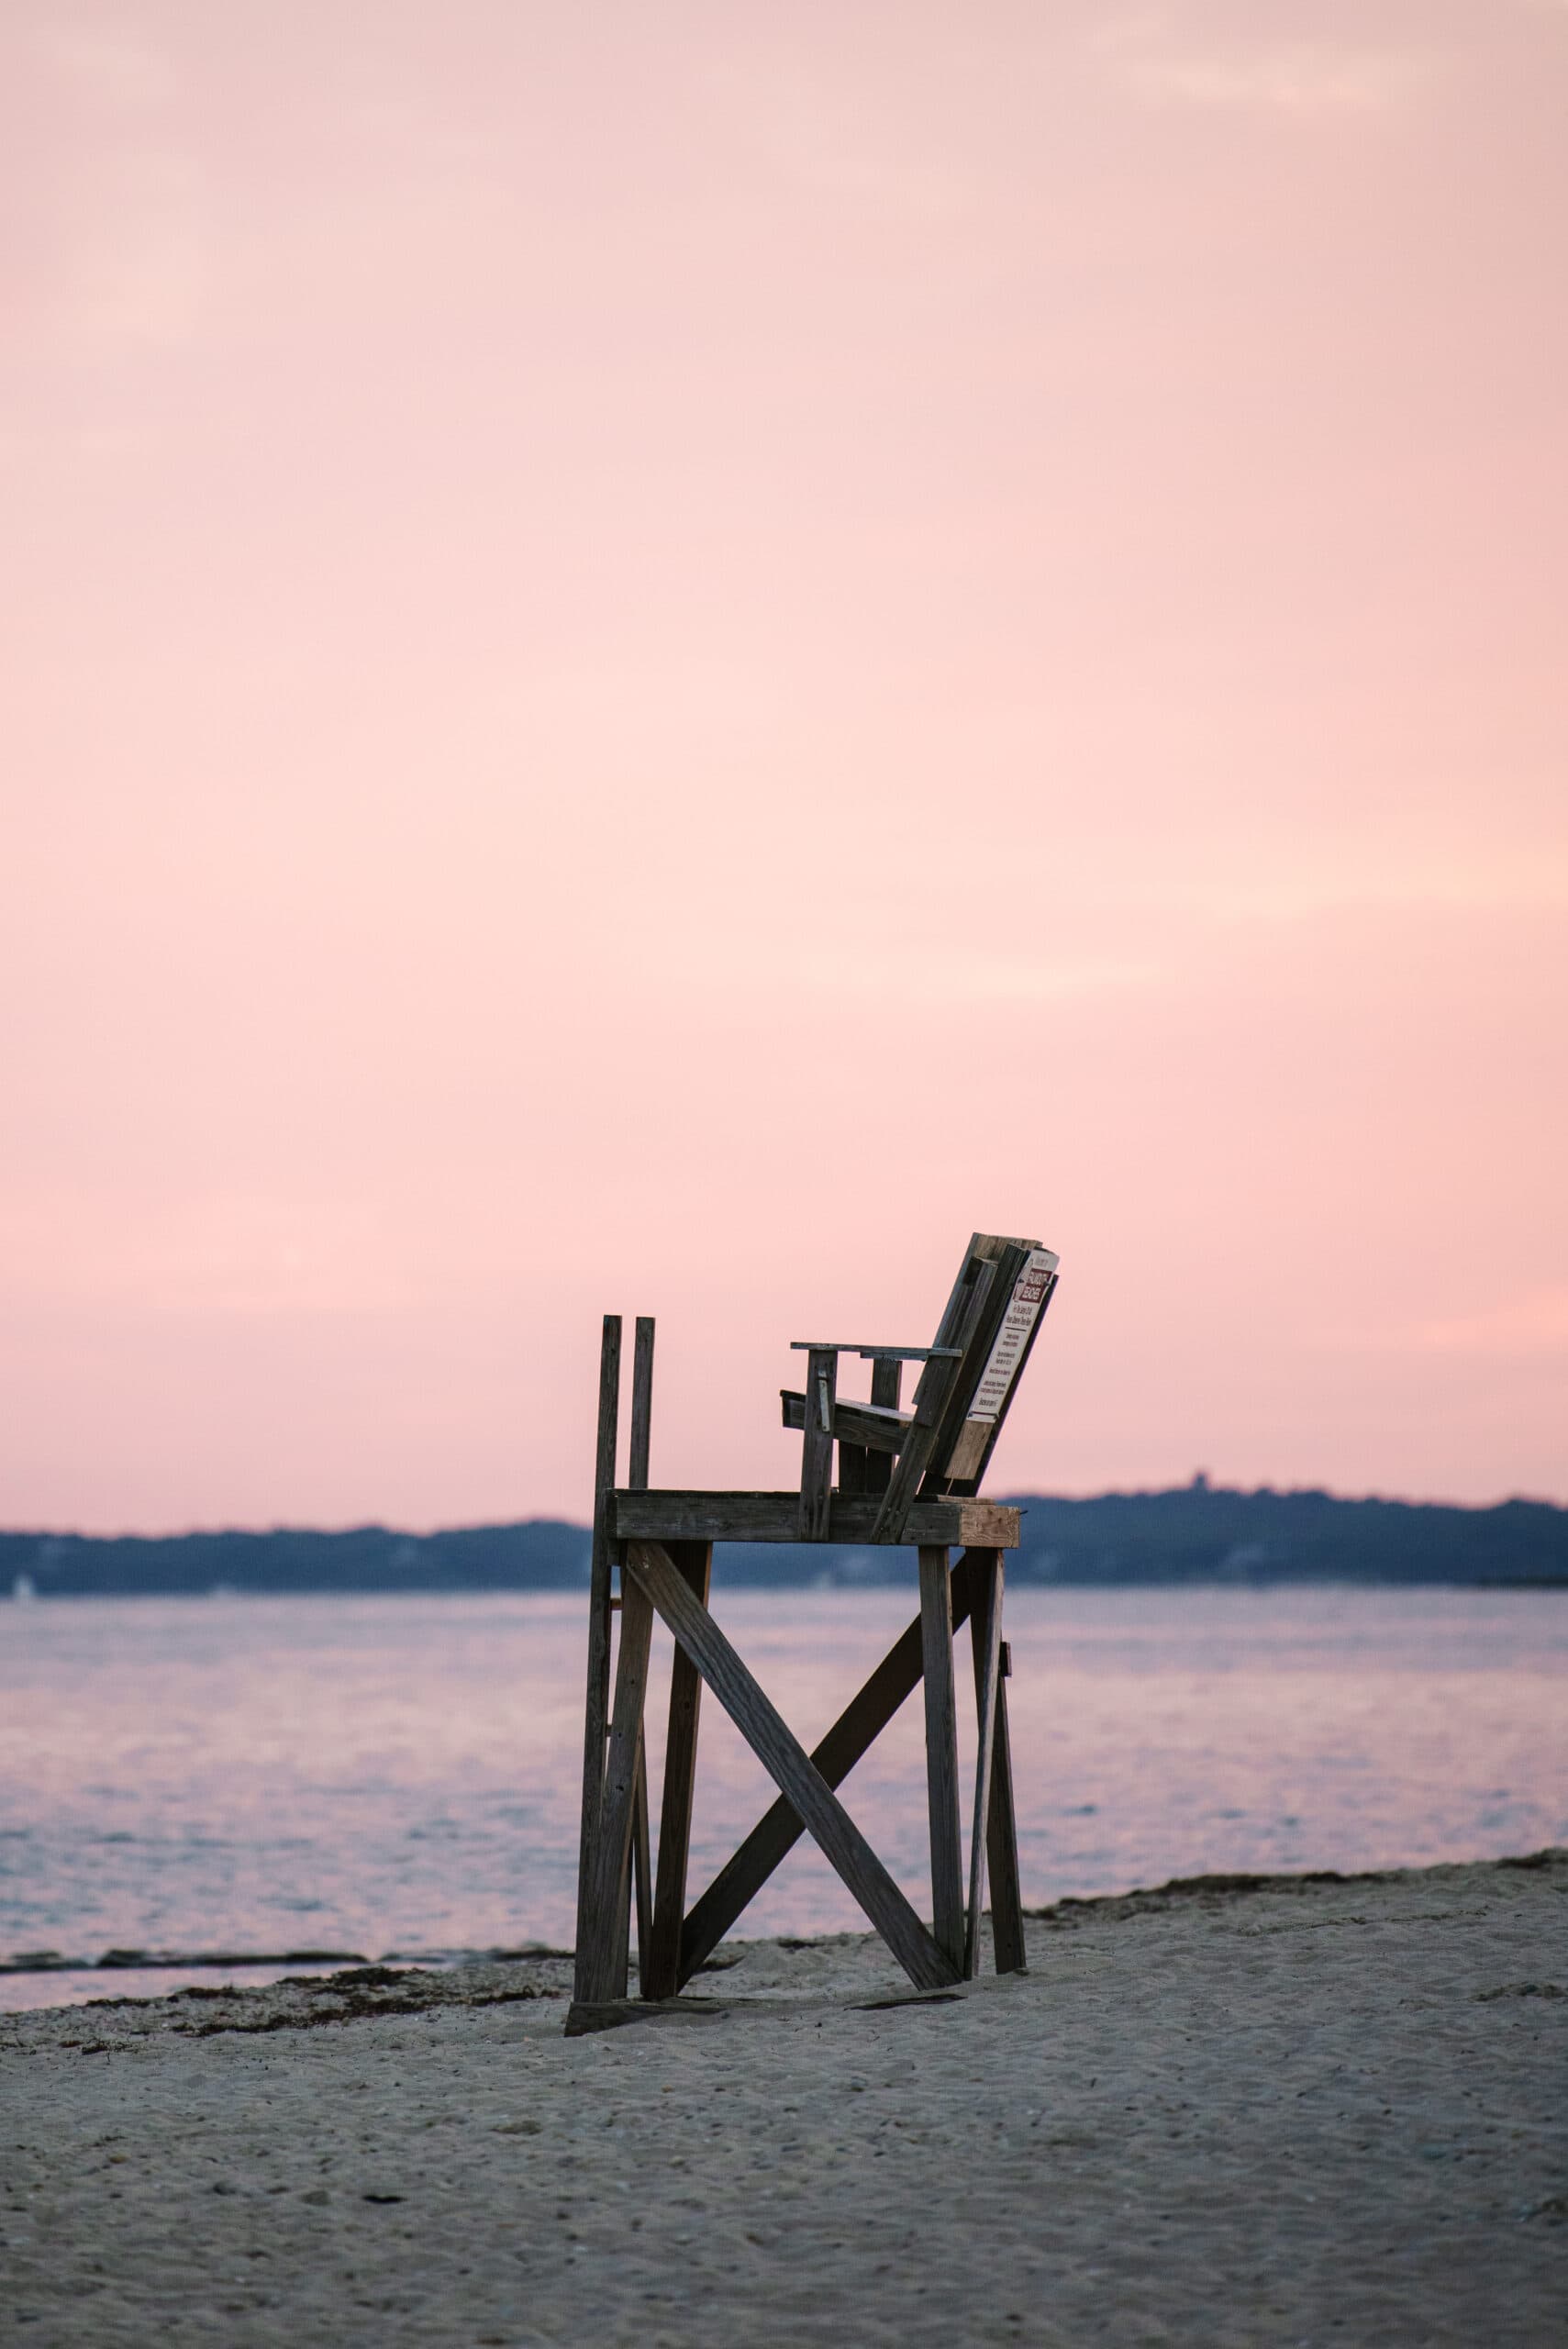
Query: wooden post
(816, 1446)
(886, 1386)
(641, 1865)
(852, 1459)
(601, 1955)
(986, 1631)
(1002, 1837)
(660, 1969)
(597, 1711)
(639, 1858)
(636, 1892)
(941, 1755)
(641, 1404)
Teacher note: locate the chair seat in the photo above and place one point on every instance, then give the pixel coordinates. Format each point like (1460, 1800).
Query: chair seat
(875, 1425)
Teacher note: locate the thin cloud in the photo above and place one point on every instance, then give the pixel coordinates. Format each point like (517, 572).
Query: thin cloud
(1300, 78)
(1533, 1325)
(962, 980)
(143, 276)
(107, 65)
(815, 135)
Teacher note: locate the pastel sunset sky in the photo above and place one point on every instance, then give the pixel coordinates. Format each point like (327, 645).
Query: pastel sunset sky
(658, 657)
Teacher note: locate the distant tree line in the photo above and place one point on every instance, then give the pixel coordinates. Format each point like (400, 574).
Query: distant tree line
(1207, 1533)
(1197, 1533)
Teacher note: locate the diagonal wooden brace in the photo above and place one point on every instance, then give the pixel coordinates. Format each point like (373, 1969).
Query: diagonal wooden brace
(651, 1570)
(779, 1830)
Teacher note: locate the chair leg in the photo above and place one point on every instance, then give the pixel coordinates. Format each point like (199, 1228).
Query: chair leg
(595, 1712)
(1002, 1840)
(986, 1631)
(886, 1384)
(941, 1755)
(641, 1889)
(816, 1446)
(600, 1956)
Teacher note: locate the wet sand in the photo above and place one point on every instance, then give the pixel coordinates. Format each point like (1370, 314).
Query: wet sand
(1301, 2111)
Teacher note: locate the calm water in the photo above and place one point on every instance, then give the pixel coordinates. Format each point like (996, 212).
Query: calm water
(402, 1774)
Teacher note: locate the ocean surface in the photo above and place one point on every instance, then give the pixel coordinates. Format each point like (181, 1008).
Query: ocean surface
(401, 1774)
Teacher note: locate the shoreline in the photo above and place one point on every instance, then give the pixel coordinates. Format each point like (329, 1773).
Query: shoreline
(1222, 2111)
(48, 1965)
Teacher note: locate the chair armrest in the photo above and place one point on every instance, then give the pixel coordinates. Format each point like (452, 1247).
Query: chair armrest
(873, 1353)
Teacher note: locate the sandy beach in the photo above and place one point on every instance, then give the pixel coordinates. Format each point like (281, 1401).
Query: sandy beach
(1293, 2110)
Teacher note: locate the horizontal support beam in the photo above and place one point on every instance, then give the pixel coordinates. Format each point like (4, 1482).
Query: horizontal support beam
(775, 1517)
(865, 1423)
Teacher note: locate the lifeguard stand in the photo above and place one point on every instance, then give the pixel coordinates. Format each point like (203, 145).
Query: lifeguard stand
(909, 1477)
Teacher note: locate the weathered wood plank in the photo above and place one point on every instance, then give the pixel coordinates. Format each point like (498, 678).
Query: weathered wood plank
(1002, 1842)
(641, 1862)
(852, 1422)
(868, 1353)
(892, 1521)
(886, 1384)
(1005, 1258)
(817, 1445)
(641, 1403)
(1026, 1283)
(603, 1971)
(651, 1569)
(635, 1881)
(637, 1474)
(660, 1973)
(941, 1755)
(852, 1458)
(776, 1833)
(986, 1629)
(596, 1707)
(984, 1460)
(930, 1400)
(680, 1516)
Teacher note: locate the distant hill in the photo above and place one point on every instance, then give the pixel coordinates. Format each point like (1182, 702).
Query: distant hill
(1206, 1533)
(1196, 1533)
(542, 1554)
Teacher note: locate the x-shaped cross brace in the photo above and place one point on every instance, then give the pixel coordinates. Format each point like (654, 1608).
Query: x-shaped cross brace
(654, 1582)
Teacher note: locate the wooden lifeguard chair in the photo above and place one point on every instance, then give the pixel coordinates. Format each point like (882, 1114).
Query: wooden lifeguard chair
(909, 1477)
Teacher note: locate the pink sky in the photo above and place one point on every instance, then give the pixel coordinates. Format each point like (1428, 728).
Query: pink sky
(658, 659)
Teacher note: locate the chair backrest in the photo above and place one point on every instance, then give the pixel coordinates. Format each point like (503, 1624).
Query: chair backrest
(994, 1316)
(969, 1375)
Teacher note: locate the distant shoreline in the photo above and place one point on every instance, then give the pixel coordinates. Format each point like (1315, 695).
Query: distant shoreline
(1544, 1586)
(1191, 1536)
